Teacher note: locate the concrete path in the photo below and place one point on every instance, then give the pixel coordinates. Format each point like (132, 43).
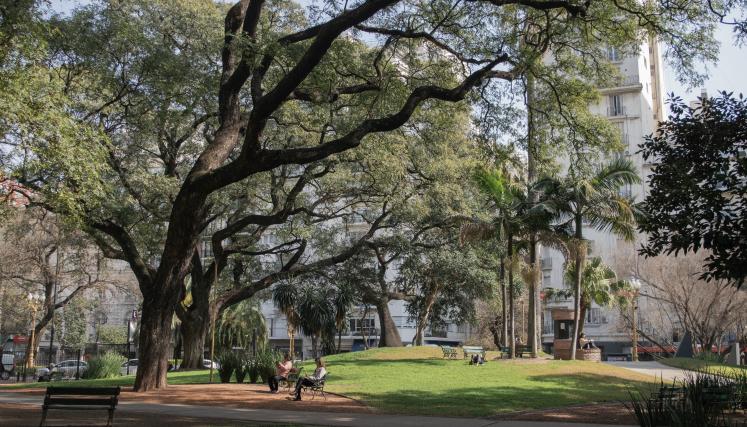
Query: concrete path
(305, 418)
(655, 369)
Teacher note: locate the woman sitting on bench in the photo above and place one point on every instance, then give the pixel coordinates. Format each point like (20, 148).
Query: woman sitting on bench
(585, 343)
(311, 380)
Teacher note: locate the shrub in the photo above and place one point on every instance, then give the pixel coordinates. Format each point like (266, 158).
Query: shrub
(266, 360)
(700, 399)
(227, 365)
(107, 365)
(242, 368)
(710, 357)
(252, 369)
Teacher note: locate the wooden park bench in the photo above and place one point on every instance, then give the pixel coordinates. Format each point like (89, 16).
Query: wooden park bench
(469, 350)
(317, 387)
(449, 352)
(81, 398)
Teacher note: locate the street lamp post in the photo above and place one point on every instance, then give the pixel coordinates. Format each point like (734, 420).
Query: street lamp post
(51, 330)
(132, 318)
(636, 284)
(33, 301)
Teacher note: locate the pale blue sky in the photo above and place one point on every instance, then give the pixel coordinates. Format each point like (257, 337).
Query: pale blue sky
(728, 74)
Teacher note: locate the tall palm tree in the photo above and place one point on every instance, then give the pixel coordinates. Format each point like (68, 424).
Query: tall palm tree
(517, 218)
(285, 297)
(593, 199)
(343, 300)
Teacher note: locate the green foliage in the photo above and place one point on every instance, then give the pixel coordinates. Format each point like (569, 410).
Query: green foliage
(240, 324)
(74, 319)
(698, 189)
(599, 285)
(242, 368)
(107, 365)
(228, 362)
(110, 334)
(265, 362)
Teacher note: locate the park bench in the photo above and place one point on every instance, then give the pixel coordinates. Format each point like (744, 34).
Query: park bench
(292, 378)
(469, 350)
(449, 352)
(81, 398)
(519, 351)
(317, 387)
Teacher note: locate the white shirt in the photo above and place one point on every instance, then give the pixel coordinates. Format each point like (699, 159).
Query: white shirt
(319, 373)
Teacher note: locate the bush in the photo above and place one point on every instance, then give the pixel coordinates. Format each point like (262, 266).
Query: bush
(266, 361)
(700, 399)
(710, 357)
(106, 366)
(252, 369)
(242, 368)
(227, 365)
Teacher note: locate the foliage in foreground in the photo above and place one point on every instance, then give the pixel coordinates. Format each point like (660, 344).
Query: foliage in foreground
(701, 399)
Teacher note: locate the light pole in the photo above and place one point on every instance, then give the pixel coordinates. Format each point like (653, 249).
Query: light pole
(54, 303)
(133, 317)
(636, 284)
(33, 301)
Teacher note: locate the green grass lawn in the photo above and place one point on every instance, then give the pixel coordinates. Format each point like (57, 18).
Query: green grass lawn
(700, 365)
(419, 381)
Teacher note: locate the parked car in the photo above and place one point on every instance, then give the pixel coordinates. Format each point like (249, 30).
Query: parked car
(133, 367)
(206, 363)
(64, 369)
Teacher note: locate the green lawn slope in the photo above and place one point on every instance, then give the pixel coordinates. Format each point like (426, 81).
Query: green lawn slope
(702, 365)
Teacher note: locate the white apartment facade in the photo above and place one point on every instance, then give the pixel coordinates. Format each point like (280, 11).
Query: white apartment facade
(635, 107)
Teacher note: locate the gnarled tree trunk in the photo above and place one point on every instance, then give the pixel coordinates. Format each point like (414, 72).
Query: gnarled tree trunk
(389, 334)
(195, 328)
(154, 348)
(425, 315)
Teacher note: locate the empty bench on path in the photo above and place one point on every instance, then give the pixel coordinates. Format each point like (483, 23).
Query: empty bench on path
(470, 350)
(449, 352)
(81, 398)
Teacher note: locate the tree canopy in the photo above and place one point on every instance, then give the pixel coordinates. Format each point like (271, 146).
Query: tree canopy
(698, 186)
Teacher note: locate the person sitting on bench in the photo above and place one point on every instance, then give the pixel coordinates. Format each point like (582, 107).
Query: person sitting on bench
(311, 380)
(585, 343)
(282, 369)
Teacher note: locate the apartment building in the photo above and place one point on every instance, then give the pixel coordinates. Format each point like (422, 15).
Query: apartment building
(635, 107)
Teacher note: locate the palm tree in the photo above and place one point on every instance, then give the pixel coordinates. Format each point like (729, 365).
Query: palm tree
(315, 314)
(594, 199)
(285, 297)
(517, 217)
(343, 300)
(240, 324)
(599, 285)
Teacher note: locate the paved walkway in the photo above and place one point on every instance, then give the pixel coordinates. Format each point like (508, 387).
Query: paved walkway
(655, 369)
(298, 417)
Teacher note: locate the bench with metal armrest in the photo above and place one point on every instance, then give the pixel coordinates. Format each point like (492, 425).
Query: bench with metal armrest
(449, 352)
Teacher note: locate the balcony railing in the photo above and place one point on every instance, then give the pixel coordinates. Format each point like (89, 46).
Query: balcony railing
(437, 333)
(369, 332)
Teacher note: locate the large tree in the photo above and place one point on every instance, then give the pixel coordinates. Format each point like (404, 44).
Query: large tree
(697, 199)
(141, 73)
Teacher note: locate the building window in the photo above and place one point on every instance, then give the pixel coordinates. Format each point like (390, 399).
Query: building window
(546, 277)
(616, 107)
(595, 316)
(613, 54)
(547, 322)
(358, 325)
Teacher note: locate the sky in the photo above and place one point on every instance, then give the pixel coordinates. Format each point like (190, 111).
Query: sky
(727, 75)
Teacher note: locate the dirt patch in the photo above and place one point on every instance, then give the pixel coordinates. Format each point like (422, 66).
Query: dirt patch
(253, 396)
(601, 413)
